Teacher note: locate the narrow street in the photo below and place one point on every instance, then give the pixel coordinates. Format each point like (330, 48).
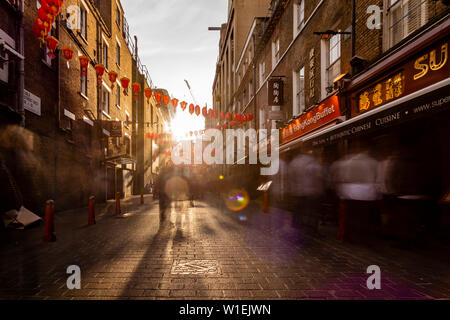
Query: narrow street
(207, 252)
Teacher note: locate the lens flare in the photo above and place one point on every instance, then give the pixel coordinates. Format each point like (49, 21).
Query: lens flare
(237, 200)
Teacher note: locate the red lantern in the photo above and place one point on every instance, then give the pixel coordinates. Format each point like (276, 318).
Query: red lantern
(215, 114)
(222, 115)
(41, 29)
(148, 135)
(45, 16)
(183, 105)
(136, 90)
(228, 116)
(112, 77)
(175, 102)
(125, 82)
(67, 53)
(166, 99)
(225, 125)
(84, 64)
(218, 127)
(52, 45)
(205, 111)
(232, 123)
(197, 110)
(158, 97)
(191, 108)
(234, 116)
(99, 70)
(148, 94)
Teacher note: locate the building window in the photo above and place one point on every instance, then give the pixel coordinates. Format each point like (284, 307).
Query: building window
(83, 23)
(83, 85)
(105, 101)
(299, 91)
(118, 96)
(262, 119)
(118, 55)
(262, 73)
(118, 16)
(299, 15)
(105, 54)
(275, 52)
(405, 17)
(334, 59)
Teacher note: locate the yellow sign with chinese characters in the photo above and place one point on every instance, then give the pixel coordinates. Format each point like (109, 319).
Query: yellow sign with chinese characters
(384, 91)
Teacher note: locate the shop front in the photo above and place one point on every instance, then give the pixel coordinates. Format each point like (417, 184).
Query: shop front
(400, 109)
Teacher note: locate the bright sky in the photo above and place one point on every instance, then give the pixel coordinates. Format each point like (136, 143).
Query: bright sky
(175, 44)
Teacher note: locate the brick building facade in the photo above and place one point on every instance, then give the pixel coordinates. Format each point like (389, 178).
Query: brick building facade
(66, 150)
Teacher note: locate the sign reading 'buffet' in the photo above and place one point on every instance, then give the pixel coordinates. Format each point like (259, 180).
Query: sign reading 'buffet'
(326, 112)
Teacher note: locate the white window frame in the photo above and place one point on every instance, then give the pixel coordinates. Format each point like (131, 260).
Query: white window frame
(299, 16)
(105, 45)
(4, 72)
(83, 20)
(262, 73)
(298, 106)
(403, 6)
(118, 53)
(276, 54)
(107, 93)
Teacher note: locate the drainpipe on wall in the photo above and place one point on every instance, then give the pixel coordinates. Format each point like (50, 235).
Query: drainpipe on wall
(21, 65)
(353, 53)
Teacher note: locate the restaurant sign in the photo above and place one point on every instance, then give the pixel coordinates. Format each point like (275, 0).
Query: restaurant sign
(430, 66)
(275, 92)
(328, 111)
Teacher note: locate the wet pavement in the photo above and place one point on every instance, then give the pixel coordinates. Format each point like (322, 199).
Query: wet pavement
(208, 252)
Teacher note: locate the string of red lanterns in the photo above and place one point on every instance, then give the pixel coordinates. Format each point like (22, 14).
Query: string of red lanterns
(46, 16)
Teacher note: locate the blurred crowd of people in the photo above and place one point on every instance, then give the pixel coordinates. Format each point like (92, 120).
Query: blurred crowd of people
(393, 194)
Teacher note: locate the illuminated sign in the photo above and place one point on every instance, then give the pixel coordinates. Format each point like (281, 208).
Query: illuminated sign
(430, 66)
(326, 112)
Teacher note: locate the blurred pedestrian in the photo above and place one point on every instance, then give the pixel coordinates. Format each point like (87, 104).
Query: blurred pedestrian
(307, 188)
(355, 178)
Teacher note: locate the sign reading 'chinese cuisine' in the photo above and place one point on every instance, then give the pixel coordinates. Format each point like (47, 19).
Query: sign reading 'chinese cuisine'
(326, 112)
(275, 92)
(430, 66)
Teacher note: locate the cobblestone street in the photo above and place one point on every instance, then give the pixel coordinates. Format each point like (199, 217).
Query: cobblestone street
(205, 252)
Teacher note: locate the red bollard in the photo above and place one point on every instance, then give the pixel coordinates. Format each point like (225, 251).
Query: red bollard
(117, 203)
(91, 220)
(266, 203)
(49, 230)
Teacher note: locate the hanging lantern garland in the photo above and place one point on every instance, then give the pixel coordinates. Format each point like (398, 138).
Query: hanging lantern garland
(84, 64)
(136, 90)
(148, 94)
(166, 100)
(112, 78)
(125, 82)
(158, 97)
(46, 16)
(52, 45)
(99, 70)
(67, 53)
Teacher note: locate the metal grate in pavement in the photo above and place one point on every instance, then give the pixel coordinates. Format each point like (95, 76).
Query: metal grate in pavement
(189, 267)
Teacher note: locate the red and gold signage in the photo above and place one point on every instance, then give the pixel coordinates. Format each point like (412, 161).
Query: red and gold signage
(430, 66)
(384, 91)
(326, 112)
